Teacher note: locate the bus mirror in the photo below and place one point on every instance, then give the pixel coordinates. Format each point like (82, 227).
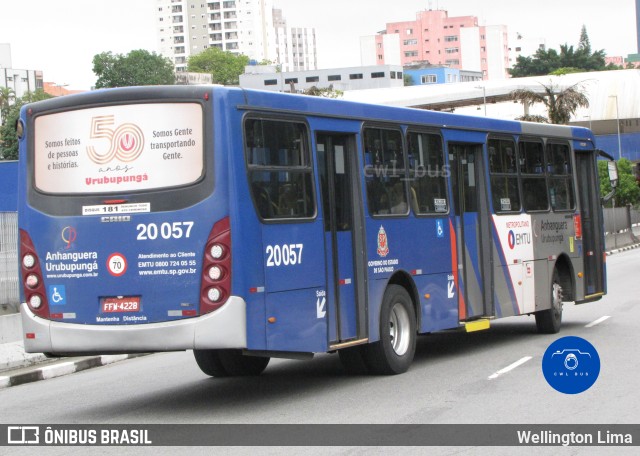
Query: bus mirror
(613, 173)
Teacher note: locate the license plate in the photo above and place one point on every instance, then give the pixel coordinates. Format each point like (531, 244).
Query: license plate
(121, 304)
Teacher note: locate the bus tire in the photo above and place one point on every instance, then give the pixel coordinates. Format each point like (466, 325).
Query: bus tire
(549, 321)
(352, 360)
(393, 353)
(209, 362)
(238, 365)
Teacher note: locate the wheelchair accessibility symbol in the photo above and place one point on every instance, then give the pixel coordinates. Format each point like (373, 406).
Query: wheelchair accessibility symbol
(57, 295)
(440, 228)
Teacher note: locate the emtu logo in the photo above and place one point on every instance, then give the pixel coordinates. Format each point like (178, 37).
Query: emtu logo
(125, 143)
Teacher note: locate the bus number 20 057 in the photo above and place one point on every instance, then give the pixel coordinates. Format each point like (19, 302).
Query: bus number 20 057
(287, 254)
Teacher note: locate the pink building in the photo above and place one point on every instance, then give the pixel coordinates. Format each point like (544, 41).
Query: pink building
(457, 42)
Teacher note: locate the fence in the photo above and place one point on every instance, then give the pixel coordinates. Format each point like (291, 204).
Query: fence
(621, 226)
(9, 297)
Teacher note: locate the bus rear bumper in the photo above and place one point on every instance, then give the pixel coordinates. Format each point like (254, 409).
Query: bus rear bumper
(223, 328)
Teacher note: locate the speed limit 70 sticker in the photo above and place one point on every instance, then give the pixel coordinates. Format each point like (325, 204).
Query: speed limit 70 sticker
(116, 264)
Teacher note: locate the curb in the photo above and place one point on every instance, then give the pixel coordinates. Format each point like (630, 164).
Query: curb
(623, 249)
(59, 369)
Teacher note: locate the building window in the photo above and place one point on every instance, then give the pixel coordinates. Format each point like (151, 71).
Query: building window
(355, 76)
(453, 50)
(378, 74)
(313, 79)
(429, 79)
(334, 77)
(410, 42)
(291, 80)
(451, 38)
(409, 31)
(411, 54)
(270, 82)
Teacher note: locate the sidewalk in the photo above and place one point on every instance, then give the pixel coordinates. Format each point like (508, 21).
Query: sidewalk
(18, 367)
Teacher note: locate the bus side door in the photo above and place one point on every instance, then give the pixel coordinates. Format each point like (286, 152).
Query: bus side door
(344, 242)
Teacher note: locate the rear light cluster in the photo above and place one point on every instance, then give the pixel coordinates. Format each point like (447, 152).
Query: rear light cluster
(31, 273)
(216, 268)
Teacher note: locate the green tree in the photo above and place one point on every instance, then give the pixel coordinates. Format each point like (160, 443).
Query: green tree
(569, 59)
(137, 68)
(8, 137)
(224, 67)
(7, 95)
(627, 191)
(561, 104)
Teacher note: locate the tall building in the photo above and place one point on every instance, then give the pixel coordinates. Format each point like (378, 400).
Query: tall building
(458, 42)
(295, 46)
(188, 27)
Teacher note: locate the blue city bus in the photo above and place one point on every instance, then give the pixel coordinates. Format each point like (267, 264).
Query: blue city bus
(245, 225)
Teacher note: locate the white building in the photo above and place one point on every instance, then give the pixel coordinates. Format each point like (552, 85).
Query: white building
(20, 81)
(188, 27)
(265, 77)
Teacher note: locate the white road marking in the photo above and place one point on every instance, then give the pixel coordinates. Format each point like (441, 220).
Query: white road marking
(510, 367)
(598, 321)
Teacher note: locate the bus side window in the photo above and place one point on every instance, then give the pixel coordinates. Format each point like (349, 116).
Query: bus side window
(427, 175)
(561, 190)
(504, 175)
(279, 168)
(534, 182)
(385, 172)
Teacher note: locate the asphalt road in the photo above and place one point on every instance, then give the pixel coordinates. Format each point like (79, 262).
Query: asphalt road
(455, 378)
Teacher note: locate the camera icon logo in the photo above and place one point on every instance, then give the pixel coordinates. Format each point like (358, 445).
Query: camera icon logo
(571, 365)
(571, 356)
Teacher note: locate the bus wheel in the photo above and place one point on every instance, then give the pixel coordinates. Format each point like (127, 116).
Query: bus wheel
(238, 365)
(209, 362)
(549, 321)
(393, 353)
(352, 360)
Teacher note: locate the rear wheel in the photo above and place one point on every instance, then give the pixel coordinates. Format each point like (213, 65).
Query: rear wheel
(239, 365)
(209, 362)
(352, 360)
(229, 363)
(549, 321)
(393, 353)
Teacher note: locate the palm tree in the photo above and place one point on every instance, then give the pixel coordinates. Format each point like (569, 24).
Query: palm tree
(561, 103)
(6, 96)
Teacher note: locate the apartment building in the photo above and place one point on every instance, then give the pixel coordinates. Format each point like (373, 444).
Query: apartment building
(457, 42)
(295, 46)
(20, 81)
(188, 27)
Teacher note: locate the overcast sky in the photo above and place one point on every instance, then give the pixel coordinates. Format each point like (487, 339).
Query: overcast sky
(61, 37)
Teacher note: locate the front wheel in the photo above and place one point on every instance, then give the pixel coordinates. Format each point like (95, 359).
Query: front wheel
(549, 321)
(393, 353)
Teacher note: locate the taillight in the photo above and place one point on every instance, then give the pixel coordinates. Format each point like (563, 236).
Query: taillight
(577, 224)
(31, 273)
(216, 268)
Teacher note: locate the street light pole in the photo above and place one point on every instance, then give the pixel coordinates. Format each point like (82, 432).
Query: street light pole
(484, 98)
(618, 125)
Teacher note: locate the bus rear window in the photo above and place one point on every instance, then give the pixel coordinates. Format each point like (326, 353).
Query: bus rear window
(124, 148)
